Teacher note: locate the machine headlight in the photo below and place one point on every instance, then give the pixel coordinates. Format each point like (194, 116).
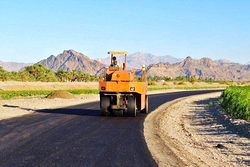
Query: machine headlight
(132, 88)
(103, 88)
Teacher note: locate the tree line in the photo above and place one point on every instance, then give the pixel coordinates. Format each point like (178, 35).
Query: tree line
(180, 78)
(38, 72)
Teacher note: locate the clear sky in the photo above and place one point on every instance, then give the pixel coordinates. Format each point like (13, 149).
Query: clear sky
(33, 30)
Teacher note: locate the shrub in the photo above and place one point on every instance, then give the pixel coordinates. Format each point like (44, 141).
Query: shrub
(192, 79)
(225, 82)
(243, 83)
(150, 82)
(181, 83)
(236, 101)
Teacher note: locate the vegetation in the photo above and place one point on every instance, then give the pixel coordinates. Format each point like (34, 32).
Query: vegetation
(84, 91)
(38, 72)
(158, 78)
(236, 101)
(182, 79)
(3, 74)
(179, 78)
(151, 82)
(185, 88)
(26, 93)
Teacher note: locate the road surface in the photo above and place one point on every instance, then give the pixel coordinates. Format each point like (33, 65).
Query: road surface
(79, 136)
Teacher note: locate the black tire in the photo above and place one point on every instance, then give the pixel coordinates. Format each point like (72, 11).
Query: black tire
(145, 110)
(131, 106)
(105, 105)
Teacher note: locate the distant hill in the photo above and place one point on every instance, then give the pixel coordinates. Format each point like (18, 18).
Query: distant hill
(136, 60)
(204, 68)
(224, 61)
(71, 60)
(13, 66)
(157, 66)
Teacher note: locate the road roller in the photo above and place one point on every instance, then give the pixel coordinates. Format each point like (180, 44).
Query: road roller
(121, 90)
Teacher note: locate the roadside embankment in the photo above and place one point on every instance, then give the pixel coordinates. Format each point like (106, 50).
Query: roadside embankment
(193, 131)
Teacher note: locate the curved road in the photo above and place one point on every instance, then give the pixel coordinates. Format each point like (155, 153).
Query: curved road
(78, 136)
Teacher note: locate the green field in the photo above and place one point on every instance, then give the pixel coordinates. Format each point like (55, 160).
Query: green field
(236, 101)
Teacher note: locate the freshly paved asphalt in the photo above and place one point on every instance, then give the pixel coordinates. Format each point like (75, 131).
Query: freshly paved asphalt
(79, 136)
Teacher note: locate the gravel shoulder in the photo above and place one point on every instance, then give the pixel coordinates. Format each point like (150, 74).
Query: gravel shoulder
(191, 131)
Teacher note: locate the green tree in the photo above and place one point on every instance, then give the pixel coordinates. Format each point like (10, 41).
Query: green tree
(3, 74)
(64, 75)
(25, 76)
(14, 76)
(41, 73)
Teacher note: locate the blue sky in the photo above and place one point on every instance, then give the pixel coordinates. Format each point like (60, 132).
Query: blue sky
(33, 30)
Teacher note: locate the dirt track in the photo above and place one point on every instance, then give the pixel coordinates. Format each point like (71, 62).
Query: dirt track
(78, 136)
(16, 85)
(191, 130)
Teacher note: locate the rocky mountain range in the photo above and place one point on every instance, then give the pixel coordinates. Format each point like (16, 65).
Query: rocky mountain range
(136, 60)
(157, 66)
(13, 66)
(204, 68)
(72, 60)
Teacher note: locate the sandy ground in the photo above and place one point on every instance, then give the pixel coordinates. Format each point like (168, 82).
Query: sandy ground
(179, 84)
(15, 85)
(186, 131)
(18, 107)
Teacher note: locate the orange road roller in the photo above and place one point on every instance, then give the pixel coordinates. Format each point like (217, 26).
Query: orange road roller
(121, 90)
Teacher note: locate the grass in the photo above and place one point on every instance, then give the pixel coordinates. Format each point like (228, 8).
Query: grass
(236, 101)
(84, 91)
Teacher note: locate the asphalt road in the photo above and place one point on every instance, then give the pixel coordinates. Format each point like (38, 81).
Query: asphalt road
(79, 136)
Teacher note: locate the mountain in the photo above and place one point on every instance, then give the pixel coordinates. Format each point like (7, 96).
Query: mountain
(13, 66)
(136, 60)
(224, 61)
(72, 60)
(156, 66)
(204, 68)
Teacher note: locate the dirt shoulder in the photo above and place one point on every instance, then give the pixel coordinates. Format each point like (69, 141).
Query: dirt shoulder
(190, 132)
(16, 86)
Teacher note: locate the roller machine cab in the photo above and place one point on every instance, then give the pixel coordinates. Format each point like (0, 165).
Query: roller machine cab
(120, 90)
